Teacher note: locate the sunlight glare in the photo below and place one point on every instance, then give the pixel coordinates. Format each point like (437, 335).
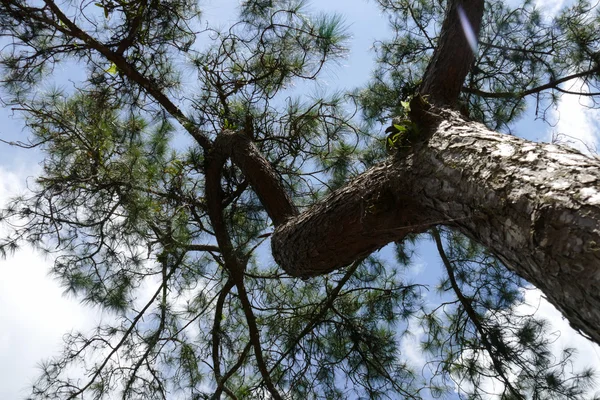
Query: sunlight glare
(467, 29)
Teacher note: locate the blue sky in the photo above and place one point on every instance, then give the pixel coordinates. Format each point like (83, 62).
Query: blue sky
(33, 312)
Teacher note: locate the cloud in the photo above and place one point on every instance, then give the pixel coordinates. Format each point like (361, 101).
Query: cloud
(577, 124)
(34, 314)
(587, 353)
(551, 7)
(410, 345)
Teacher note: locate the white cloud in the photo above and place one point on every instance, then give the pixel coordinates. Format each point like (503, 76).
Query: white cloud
(34, 315)
(551, 7)
(587, 353)
(410, 345)
(577, 123)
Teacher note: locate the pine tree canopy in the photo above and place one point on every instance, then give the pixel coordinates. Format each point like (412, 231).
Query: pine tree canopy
(228, 217)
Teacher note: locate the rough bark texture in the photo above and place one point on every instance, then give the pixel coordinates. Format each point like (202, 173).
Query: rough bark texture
(378, 208)
(536, 206)
(375, 209)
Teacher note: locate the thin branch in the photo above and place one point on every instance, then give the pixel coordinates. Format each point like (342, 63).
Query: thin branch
(255, 338)
(322, 310)
(130, 71)
(153, 340)
(216, 329)
(135, 26)
(232, 261)
(202, 247)
(472, 314)
(221, 386)
(23, 145)
(125, 336)
(507, 48)
(550, 85)
(419, 25)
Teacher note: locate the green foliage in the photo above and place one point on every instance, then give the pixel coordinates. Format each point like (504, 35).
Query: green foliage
(488, 333)
(121, 207)
(402, 136)
(522, 57)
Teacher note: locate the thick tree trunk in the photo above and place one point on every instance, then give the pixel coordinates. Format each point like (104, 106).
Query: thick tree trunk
(536, 206)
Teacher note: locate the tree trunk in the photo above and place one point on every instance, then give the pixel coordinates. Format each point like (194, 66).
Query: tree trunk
(536, 206)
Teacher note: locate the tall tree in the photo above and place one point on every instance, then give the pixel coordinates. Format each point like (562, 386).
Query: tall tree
(122, 203)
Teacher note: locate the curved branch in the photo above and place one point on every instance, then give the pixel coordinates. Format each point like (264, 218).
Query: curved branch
(221, 386)
(216, 329)
(352, 222)
(233, 261)
(257, 170)
(255, 339)
(550, 85)
(466, 303)
(135, 26)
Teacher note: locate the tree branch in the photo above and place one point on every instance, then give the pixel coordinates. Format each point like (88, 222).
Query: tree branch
(255, 339)
(131, 72)
(202, 247)
(453, 56)
(466, 303)
(216, 329)
(126, 334)
(352, 222)
(319, 312)
(221, 386)
(550, 85)
(535, 205)
(522, 50)
(233, 262)
(135, 26)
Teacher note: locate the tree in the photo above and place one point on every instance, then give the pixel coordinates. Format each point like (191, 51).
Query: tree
(122, 204)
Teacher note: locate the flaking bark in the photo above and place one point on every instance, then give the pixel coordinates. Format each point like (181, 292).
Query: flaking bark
(536, 206)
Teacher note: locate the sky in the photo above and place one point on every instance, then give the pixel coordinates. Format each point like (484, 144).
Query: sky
(34, 313)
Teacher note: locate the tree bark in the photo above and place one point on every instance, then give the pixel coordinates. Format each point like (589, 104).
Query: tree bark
(373, 210)
(536, 206)
(453, 55)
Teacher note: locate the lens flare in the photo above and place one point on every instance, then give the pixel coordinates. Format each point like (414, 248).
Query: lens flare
(467, 29)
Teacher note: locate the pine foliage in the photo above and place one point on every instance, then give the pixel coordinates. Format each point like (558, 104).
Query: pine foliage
(121, 205)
